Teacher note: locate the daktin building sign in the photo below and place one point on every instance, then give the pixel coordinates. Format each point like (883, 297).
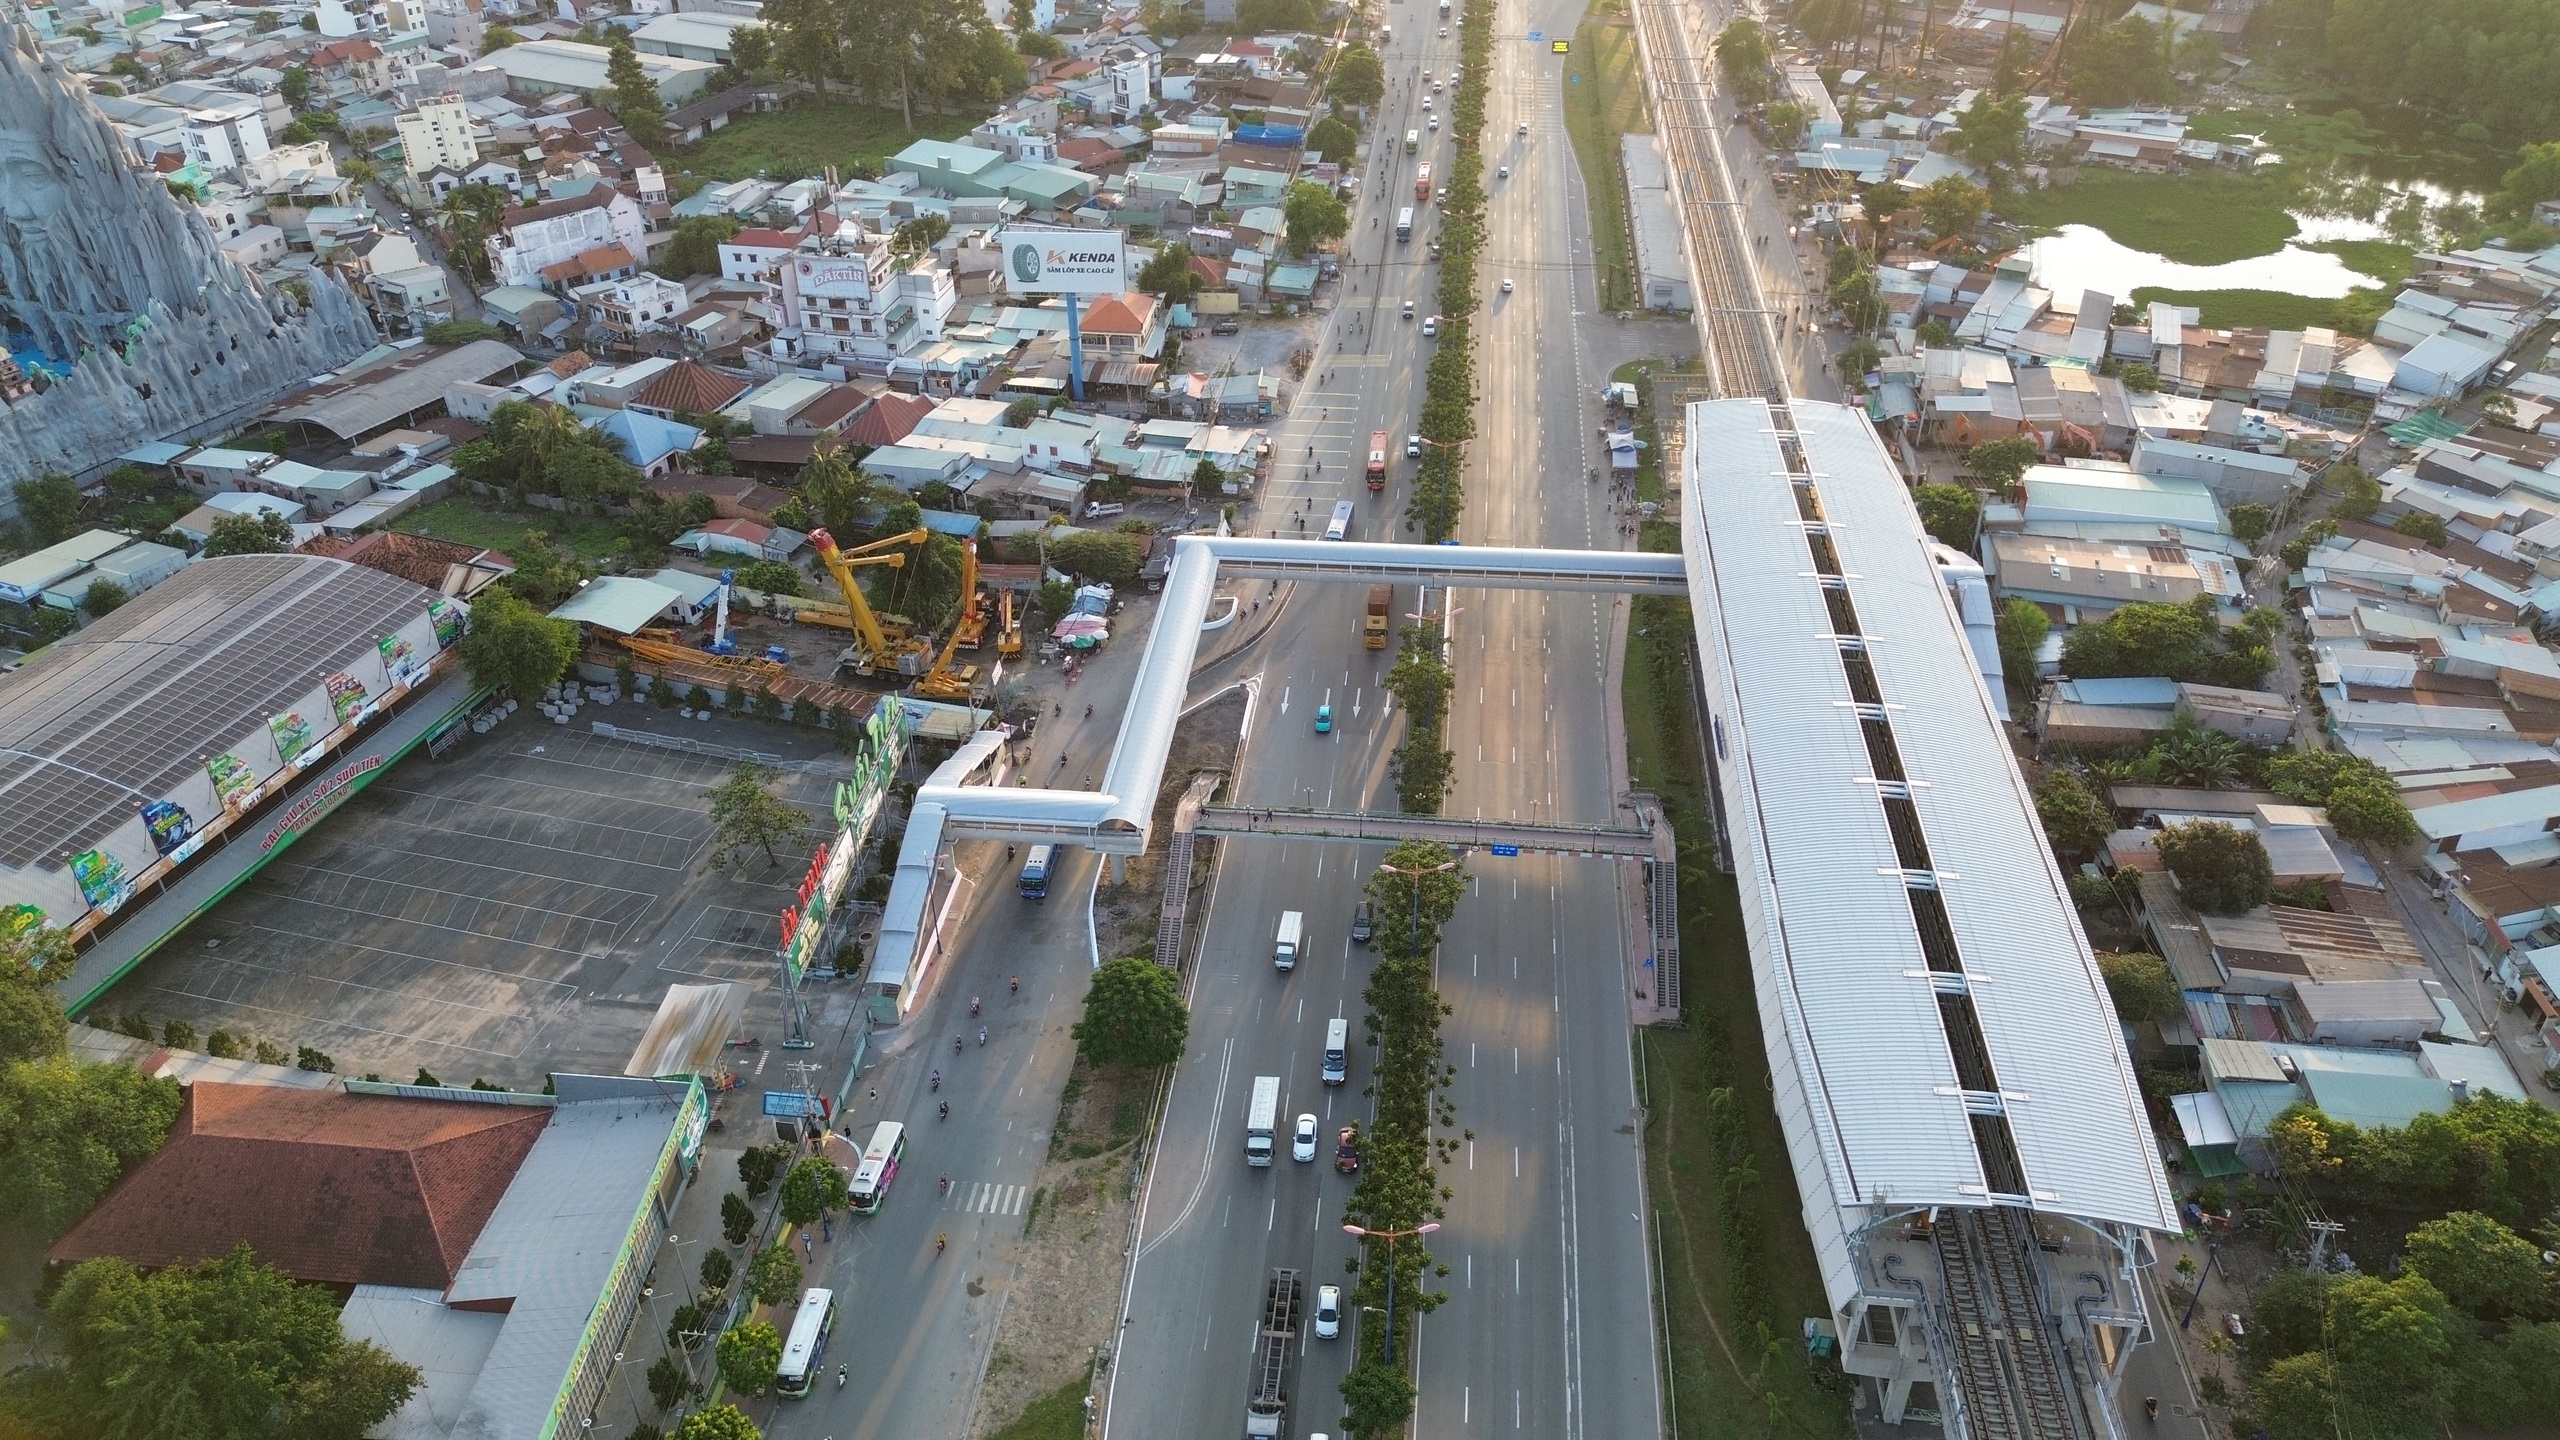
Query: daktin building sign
(1065, 262)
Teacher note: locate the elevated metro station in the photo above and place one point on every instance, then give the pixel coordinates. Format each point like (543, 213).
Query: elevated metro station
(1965, 1127)
(1967, 1133)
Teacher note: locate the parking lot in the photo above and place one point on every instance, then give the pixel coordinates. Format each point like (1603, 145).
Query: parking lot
(515, 908)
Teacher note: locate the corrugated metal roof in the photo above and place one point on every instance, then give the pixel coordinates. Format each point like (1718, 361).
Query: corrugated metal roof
(1834, 942)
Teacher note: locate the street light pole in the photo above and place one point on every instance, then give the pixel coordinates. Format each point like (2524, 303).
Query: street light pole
(1391, 1237)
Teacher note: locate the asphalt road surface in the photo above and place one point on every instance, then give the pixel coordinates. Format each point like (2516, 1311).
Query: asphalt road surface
(1546, 1330)
(915, 1325)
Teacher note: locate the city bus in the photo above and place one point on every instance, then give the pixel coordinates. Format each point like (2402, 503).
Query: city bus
(804, 1351)
(1422, 181)
(1377, 461)
(1412, 141)
(1404, 224)
(879, 1167)
(1339, 528)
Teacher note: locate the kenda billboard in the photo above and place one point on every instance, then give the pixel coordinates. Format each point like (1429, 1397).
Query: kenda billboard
(1044, 261)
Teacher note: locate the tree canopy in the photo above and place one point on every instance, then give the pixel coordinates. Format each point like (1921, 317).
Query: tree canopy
(633, 97)
(2076, 821)
(513, 647)
(814, 1187)
(1992, 133)
(1315, 215)
(2452, 62)
(2002, 462)
(1335, 139)
(1359, 77)
(2021, 628)
(747, 817)
(1169, 274)
(2183, 642)
(32, 962)
(1742, 50)
(2142, 987)
(2221, 870)
(49, 506)
(1133, 1016)
(749, 1355)
(1951, 513)
(1952, 206)
(226, 1350)
(696, 248)
(264, 532)
(1107, 556)
(68, 1131)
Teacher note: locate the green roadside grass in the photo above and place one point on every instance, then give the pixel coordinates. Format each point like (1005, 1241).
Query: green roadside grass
(1604, 98)
(807, 138)
(467, 522)
(1733, 1296)
(2227, 309)
(1058, 1415)
(2192, 219)
(1639, 373)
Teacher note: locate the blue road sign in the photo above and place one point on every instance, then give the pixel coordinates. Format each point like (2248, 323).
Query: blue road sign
(788, 1104)
(1506, 849)
(1537, 35)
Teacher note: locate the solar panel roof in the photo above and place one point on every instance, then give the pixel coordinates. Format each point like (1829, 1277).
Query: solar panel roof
(121, 710)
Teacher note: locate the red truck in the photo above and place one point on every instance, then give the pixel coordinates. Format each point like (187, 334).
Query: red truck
(1422, 183)
(1377, 461)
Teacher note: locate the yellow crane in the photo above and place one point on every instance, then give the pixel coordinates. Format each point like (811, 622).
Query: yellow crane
(946, 681)
(876, 644)
(1009, 633)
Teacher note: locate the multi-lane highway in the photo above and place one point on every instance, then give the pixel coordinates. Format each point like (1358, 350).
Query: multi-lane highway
(1546, 1329)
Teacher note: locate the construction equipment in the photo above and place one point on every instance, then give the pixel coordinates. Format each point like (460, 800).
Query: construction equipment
(660, 648)
(946, 681)
(876, 644)
(1009, 630)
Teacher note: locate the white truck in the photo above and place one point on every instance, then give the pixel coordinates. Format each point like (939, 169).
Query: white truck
(1284, 946)
(1262, 1120)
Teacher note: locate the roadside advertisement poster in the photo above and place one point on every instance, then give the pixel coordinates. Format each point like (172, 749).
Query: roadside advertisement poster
(233, 780)
(101, 879)
(292, 736)
(170, 825)
(448, 618)
(1041, 260)
(347, 697)
(402, 662)
(18, 920)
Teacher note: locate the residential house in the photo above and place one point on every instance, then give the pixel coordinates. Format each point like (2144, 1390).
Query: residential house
(975, 172)
(225, 137)
(847, 295)
(438, 135)
(411, 298)
(599, 234)
(348, 68)
(621, 310)
(1128, 325)
(653, 444)
(686, 388)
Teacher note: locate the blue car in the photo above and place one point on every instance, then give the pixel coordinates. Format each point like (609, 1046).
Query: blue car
(1324, 719)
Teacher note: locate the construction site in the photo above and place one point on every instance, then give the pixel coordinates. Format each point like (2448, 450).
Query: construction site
(809, 658)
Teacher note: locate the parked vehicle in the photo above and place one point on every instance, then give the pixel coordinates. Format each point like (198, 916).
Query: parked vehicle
(1225, 327)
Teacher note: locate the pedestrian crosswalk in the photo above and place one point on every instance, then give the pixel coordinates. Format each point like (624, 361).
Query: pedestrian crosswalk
(979, 1197)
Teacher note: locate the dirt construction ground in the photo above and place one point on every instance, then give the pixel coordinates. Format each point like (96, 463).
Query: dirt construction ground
(516, 908)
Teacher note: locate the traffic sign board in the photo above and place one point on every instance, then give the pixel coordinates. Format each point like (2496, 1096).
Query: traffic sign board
(1537, 35)
(789, 1104)
(1506, 849)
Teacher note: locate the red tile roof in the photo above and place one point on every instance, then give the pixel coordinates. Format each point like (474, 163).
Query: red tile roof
(1127, 313)
(761, 239)
(690, 389)
(827, 409)
(337, 50)
(891, 418)
(331, 1188)
(1087, 153)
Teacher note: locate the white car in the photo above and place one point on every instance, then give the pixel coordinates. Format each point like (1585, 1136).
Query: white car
(1426, 102)
(1504, 173)
(1435, 122)
(1302, 1141)
(1524, 127)
(1328, 1311)
(1412, 451)
(1444, 32)
(1408, 309)
(1431, 327)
